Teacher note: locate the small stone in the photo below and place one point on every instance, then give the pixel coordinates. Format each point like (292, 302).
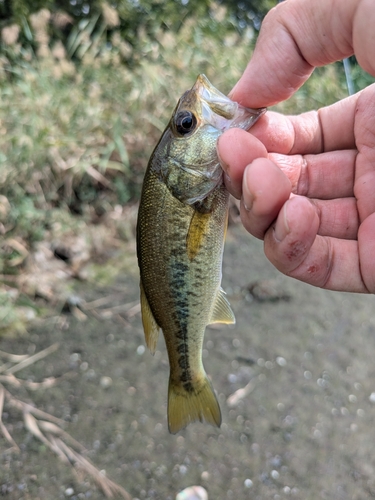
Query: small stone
(193, 493)
(205, 475)
(275, 474)
(183, 469)
(140, 350)
(105, 382)
(281, 361)
(248, 483)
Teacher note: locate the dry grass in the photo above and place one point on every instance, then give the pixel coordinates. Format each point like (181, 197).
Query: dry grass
(43, 426)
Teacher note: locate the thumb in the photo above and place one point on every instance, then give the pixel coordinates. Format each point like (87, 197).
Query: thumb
(296, 36)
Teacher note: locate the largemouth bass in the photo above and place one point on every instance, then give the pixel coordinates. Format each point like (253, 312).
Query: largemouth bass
(181, 227)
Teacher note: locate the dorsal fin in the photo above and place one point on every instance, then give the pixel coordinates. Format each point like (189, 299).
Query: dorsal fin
(222, 312)
(150, 327)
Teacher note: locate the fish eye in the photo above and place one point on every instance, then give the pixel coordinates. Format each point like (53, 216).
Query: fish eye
(185, 122)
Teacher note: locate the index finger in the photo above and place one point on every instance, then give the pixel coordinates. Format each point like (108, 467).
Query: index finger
(328, 129)
(297, 36)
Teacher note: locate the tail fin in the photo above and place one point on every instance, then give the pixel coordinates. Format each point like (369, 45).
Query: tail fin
(189, 405)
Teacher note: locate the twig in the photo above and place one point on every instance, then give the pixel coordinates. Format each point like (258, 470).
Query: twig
(32, 359)
(134, 310)
(46, 427)
(13, 358)
(21, 405)
(127, 307)
(122, 320)
(109, 487)
(51, 428)
(98, 177)
(5, 367)
(98, 302)
(234, 398)
(44, 384)
(3, 429)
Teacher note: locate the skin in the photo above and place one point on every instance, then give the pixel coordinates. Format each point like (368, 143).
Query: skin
(307, 182)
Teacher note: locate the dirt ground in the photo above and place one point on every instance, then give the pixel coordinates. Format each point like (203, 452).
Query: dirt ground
(303, 427)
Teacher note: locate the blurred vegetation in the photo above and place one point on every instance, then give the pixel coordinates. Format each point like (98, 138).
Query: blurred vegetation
(76, 135)
(84, 99)
(152, 15)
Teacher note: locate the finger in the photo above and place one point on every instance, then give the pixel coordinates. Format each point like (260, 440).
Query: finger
(324, 176)
(294, 248)
(237, 148)
(337, 218)
(265, 190)
(331, 173)
(297, 36)
(328, 129)
(366, 246)
(365, 163)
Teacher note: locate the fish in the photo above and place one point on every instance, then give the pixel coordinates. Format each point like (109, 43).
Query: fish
(181, 226)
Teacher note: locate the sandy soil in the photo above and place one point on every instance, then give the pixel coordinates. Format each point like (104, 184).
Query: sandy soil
(303, 428)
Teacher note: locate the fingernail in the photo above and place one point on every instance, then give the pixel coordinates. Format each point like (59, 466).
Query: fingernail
(247, 196)
(281, 229)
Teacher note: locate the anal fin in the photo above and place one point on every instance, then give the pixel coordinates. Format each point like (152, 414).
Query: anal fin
(222, 312)
(150, 327)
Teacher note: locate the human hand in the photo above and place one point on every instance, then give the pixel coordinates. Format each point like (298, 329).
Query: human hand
(307, 183)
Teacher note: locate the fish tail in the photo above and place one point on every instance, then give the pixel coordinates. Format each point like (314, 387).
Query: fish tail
(190, 402)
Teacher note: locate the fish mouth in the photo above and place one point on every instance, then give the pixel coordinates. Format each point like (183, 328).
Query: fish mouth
(220, 111)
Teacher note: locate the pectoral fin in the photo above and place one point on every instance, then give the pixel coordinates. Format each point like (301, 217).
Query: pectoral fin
(197, 231)
(222, 312)
(150, 327)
